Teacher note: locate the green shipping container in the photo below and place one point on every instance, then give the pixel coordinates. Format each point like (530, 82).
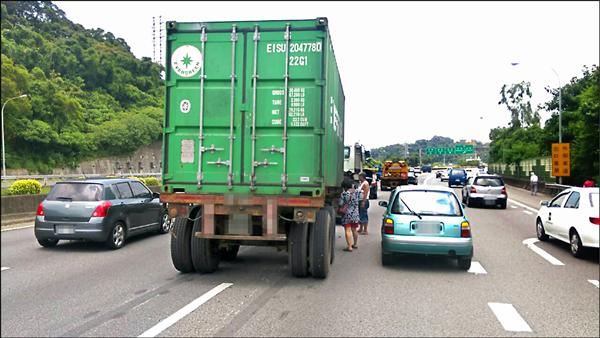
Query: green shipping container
(252, 107)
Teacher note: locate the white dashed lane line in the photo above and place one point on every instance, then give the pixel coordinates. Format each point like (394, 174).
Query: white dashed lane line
(5, 268)
(523, 205)
(594, 282)
(184, 311)
(530, 244)
(514, 207)
(508, 316)
(527, 212)
(477, 269)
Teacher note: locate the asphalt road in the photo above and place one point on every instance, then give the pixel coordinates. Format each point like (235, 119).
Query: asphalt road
(82, 289)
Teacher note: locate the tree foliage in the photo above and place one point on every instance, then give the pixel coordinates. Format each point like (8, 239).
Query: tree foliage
(580, 125)
(88, 94)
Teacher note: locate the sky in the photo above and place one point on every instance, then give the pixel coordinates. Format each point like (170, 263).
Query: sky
(410, 70)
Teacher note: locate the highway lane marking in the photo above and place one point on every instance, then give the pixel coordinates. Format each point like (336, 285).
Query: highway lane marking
(594, 282)
(184, 311)
(6, 268)
(530, 244)
(508, 316)
(477, 268)
(522, 205)
(527, 212)
(514, 207)
(25, 227)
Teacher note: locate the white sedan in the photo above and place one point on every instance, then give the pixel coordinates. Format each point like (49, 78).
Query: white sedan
(572, 216)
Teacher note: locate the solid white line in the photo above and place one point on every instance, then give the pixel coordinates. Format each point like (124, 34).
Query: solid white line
(5, 268)
(477, 268)
(184, 311)
(595, 282)
(514, 207)
(530, 244)
(508, 316)
(527, 212)
(523, 205)
(25, 227)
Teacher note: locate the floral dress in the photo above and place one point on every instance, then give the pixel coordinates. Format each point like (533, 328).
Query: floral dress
(351, 198)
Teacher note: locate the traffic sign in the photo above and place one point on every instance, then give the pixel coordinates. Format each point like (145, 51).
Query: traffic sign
(456, 150)
(561, 159)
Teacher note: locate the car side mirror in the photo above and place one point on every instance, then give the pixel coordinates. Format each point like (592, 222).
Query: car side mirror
(155, 195)
(383, 204)
(544, 203)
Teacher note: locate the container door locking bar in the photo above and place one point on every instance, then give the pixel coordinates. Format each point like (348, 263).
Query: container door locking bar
(287, 37)
(231, 111)
(201, 131)
(254, 78)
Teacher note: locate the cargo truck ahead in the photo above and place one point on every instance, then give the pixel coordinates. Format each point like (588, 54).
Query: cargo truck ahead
(252, 142)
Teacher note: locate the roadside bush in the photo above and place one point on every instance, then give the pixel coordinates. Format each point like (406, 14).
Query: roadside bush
(25, 187)
(151, 181)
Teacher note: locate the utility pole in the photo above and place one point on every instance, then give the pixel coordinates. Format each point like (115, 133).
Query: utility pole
(420, 163)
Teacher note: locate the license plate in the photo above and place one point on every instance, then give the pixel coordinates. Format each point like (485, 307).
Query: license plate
(428, 228)
(489, 201)
(65, 229)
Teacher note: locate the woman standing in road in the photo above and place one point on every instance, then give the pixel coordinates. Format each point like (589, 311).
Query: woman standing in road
(363, 208)
(348, 202)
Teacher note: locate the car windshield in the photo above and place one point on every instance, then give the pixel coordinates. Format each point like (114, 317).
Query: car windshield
(489, 182)
(426, 202)
(76, 192)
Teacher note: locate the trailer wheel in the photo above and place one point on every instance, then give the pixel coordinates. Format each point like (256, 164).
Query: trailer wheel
(205, 252)
(181, 234)
(229, 253)
(320, 245)
(331, 211)
(298, 249)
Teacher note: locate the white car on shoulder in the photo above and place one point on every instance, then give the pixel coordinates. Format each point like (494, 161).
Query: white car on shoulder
(572, 216)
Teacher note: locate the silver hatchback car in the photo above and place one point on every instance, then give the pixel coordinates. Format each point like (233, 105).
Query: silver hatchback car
(101, 210)
(486, 190)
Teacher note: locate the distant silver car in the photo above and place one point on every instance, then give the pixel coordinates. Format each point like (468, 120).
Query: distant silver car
(102, 210)
(487, 190)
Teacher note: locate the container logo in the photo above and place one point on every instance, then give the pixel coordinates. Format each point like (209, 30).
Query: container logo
(185, 106)
(186, 61)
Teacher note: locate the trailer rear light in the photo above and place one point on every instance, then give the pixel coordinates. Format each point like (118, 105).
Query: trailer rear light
(595, 220)
(40, 210)
(473, 190)
(102, 209)
(388, 226)
(465, 229)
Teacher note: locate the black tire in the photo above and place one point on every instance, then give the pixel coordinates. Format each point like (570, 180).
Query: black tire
(298, 249)
(540, 231)
(320, 245)
(463, 198)
(577, 248)
(181, 235)
(331, 211)
(386, 259)
(469, 203)
(503, 205)
(464, 263)
(229, 253)
(205, 252)
(48, 242)
(117, 236)
(166, 223)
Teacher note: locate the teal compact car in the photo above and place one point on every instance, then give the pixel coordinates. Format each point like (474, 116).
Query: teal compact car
(426, 220)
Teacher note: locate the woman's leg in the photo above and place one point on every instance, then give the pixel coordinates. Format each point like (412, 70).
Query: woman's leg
(348, 230)
(355, 237)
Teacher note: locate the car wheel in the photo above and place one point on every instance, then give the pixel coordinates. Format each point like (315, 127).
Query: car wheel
(386, 259)
(469, 203)
(464, 263)
(298, 249)
(204, 252)
(541, 233)
(503, 205)
(48, 242)
(576, 246)
(166, 223)
(116, 238)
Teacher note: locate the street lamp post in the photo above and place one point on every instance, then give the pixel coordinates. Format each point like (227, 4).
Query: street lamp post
(2, 121)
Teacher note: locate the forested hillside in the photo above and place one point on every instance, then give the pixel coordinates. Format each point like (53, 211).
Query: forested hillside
(89, 96)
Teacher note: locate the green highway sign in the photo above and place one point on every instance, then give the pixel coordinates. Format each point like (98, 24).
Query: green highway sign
(456, 150)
